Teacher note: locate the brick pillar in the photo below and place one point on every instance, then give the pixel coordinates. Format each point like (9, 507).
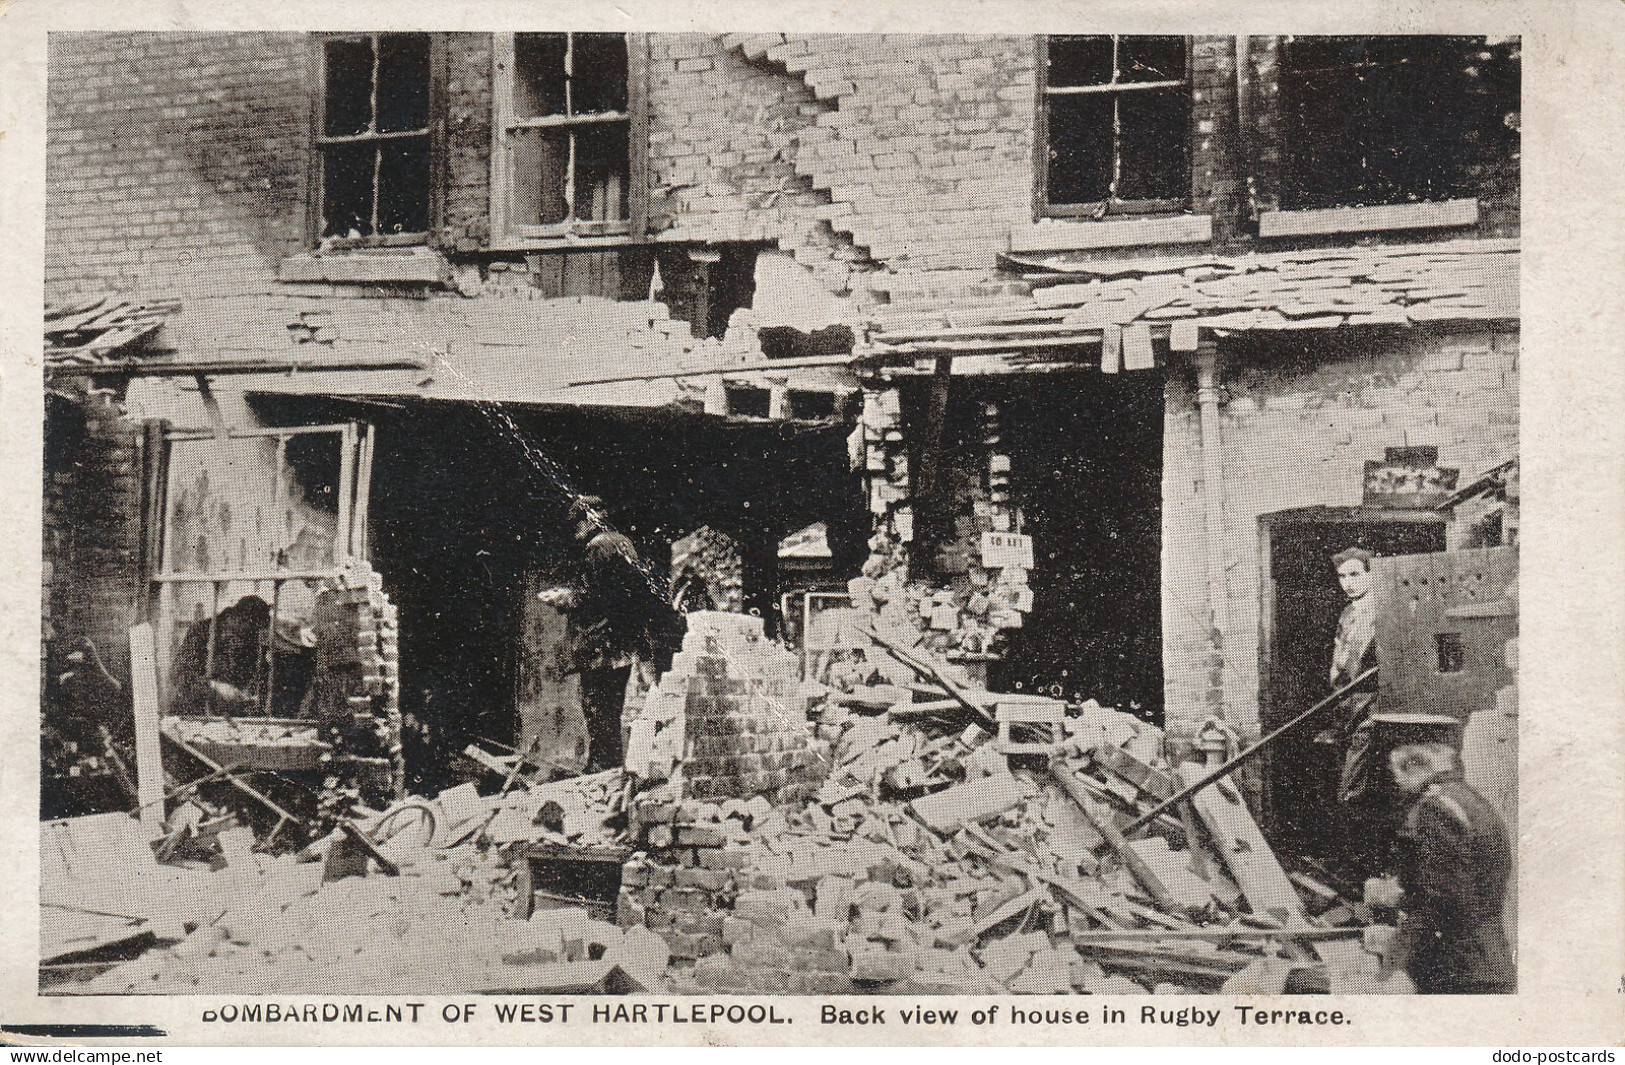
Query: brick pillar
(93, 539)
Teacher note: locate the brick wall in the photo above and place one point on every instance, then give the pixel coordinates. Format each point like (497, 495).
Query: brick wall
(174, 161)
(180, 162)
(1297, 429)
(93, 533)
(910, 150)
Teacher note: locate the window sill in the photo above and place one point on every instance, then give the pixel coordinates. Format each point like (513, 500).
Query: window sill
(367, 265)
(1050, 235)
(1442, 215)
(562, 243)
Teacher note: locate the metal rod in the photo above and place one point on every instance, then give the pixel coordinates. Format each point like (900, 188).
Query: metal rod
(237, 576)
(208, 654)
(1235, 763)
(722, 371)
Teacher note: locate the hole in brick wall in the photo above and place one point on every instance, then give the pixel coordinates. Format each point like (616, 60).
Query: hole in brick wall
(810, 405)
(562, 881)
(1087, 474)
(1452, 653)
(750, 402)
(786, 342)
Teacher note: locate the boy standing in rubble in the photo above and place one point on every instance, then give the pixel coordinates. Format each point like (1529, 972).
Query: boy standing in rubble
(620, 625)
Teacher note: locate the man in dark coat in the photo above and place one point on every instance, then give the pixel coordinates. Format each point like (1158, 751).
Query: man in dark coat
(1454, 865)
(233, 684)
(620, 624)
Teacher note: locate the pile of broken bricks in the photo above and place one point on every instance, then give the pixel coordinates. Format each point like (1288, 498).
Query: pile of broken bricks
(954, 841)
(934, 861)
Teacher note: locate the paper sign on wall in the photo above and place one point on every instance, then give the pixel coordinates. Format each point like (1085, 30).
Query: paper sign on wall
(1001, 549)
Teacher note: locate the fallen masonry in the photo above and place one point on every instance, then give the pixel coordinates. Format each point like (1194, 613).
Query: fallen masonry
(896, 831)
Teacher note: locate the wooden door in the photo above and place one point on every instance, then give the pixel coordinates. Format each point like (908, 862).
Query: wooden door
(548, 694)
(1300, 604)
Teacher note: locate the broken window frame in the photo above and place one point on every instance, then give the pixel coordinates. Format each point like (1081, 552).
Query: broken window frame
(1043, 207)
(1301, 173)
(507, 234)
(357, 441)
(322, 145)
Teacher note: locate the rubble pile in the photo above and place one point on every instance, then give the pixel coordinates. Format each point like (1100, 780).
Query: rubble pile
(907, 832)
(980, 601)
(974, 885)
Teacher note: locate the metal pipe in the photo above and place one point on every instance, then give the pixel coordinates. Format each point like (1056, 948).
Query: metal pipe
(1207, 402)
(1235, 763)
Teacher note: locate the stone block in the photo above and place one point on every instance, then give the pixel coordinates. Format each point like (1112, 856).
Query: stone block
(709, 879)
(873, 965)
(701, 836)
(723, 858)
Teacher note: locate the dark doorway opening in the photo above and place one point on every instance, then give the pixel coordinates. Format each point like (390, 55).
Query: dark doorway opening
(1088, 474)
(1301, 604)
(470, 510)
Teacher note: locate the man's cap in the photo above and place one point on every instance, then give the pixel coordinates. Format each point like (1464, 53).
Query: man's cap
(1350, 554)
(1418, 727)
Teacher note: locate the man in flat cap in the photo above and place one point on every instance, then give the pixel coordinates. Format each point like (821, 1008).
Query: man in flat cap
(1454, 862)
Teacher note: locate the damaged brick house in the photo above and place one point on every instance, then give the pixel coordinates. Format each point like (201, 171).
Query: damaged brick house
(1142, 307)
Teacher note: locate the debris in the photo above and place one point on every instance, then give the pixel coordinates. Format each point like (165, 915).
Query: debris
(762, 844)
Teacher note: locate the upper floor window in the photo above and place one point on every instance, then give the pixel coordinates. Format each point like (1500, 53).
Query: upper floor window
(1381, 120)
(567, 106)
(1115, 124)
(373, 137)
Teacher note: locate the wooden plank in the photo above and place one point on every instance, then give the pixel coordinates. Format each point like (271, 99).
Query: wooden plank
(1359, 219)
(1071, 236)
(1111, 349)
(149, 761)
(1219, 934)
(1183, 336)
(968, 803)
(1242, 846)
(1101, 820)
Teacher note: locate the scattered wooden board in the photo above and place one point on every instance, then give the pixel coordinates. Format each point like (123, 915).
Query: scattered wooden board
(1242, 846)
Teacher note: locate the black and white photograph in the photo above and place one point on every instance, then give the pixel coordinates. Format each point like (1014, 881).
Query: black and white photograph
(754, 516)
(449, 437)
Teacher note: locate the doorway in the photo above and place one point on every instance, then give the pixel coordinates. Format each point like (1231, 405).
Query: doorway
(1088, 476)
(1301, 603)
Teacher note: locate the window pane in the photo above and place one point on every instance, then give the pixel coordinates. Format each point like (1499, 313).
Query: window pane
(403, 187)
(1375, 120)
(599, 80)
(348, 109)
(1080, 60)
(538, 75)
(601, 172)
(536, 184)
(1154, 144)
(1330, 126)
(1080, 148)
(347, 190)
(1151, 59)
(403, 82)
